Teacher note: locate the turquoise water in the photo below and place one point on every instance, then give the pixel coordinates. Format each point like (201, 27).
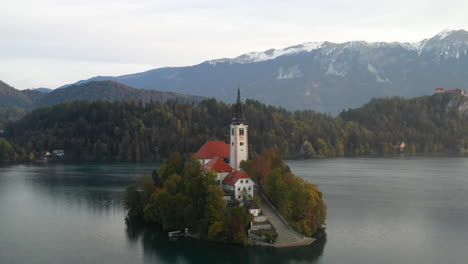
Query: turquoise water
(381, 210)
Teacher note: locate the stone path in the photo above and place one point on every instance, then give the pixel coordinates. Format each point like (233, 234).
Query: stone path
(286, 237)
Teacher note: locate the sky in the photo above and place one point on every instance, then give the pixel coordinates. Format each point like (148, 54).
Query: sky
(48, 43)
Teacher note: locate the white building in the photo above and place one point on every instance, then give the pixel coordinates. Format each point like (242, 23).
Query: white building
(240, 184)
(254, 209)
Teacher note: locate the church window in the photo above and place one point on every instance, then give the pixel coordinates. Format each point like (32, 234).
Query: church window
(241, 131)
(242, 181)
(249, 188)
(246, 181)
(242, 143)
(238, 189)
(232, 143)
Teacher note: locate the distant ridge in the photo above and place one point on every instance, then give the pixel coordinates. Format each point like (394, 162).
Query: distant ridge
(45, 90)
(90, 91)
(322, 76)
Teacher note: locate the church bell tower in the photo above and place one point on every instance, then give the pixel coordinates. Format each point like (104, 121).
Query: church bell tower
(238, 135)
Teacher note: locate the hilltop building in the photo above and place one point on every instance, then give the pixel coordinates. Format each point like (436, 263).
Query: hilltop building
(225, 158)
(459, 91)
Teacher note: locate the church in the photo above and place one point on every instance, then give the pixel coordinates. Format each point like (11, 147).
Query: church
(225, 158)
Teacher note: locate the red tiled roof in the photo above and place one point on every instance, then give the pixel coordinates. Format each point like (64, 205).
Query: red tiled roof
(232, 177)
(439, 89)
(212, 149)
(454, 90)
(218, 165)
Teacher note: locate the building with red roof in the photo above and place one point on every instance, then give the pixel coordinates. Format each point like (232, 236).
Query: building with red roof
(240, 184)
(211, 150)
(442, 90)
(219, 166)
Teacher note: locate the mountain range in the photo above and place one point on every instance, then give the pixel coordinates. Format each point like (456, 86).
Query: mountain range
(89, 91)
(322, 76)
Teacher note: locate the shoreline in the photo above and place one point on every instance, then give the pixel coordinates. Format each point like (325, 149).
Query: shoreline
(292, 157)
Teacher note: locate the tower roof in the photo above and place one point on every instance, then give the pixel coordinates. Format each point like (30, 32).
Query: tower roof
(238, 111)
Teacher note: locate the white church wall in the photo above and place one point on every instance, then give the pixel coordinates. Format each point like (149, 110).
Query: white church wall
(238, 144)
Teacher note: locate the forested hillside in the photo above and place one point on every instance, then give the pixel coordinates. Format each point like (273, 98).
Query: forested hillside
(136, 131)
(133, 131)
(11, 113)
(9, 96)
(435, 123)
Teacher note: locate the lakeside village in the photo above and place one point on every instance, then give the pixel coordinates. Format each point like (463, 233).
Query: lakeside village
(211, 195)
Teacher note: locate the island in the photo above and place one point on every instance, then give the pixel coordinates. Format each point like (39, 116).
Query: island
(218, 194)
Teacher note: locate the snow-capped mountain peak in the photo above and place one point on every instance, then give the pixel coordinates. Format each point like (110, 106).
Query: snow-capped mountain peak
(271, 53)
(444, 33)
(443, 41)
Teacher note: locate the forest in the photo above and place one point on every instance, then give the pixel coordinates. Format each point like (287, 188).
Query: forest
(135, 131)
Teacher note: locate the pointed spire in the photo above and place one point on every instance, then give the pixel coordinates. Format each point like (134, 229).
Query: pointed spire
(238, 117)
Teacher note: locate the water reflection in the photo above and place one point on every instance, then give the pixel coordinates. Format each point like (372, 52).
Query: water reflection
(157, 246)
(95, 186)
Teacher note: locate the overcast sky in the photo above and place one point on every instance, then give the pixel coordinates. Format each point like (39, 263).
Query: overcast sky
(47, 43)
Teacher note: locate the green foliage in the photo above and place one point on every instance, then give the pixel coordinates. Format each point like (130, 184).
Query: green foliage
(309, 150)
(137, 195)
(172, 165)
(7, 152)
(425, 124)
(298, 201)
(8, 114)
(133, 202)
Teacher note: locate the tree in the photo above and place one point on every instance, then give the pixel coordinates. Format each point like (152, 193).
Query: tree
(7, 153)
(309, 150)
(133, 202)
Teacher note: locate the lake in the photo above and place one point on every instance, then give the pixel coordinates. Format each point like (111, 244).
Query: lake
(380, 210)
